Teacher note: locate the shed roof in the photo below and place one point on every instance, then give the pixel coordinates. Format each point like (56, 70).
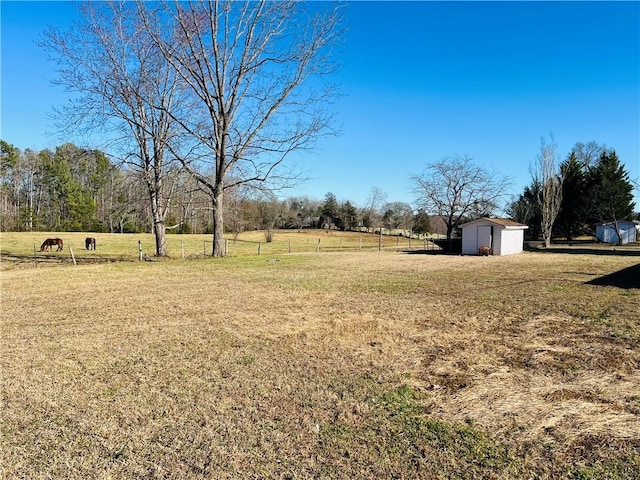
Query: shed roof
(619, 222)
(502, 222)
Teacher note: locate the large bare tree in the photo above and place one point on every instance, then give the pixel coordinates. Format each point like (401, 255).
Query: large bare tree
(123, 88)
(548, 176)
(257, 74)
(457, 189)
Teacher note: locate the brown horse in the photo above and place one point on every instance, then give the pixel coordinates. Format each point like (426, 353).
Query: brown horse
(50, 242)
(90, 243)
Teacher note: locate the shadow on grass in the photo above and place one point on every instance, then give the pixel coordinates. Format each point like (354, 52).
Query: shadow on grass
(625, 251)
(626, 278)
(429, 252)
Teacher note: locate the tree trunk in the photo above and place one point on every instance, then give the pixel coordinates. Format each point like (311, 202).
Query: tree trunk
(217, 197)
(159, 229)
(449, 231)
(161, 239)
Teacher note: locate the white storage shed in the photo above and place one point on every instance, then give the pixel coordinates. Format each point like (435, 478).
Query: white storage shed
(608, 232)
(501, 235)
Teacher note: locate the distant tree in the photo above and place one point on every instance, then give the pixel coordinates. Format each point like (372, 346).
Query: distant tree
(610, 191)
(387, 219)
(421, 223)
(9, 180)
(546, 174)
(348, 215)
(458, 190)
(587, 154)
(300, 212)
(330, 213)
(398, 215)
(371, 212)
(237, 205)
(270, 211)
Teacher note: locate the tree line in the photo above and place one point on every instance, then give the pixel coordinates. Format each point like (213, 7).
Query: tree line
(71, 188)
(76, 189)
(590, 186)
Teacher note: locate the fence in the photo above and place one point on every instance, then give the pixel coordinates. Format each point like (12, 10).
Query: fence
(24, 247)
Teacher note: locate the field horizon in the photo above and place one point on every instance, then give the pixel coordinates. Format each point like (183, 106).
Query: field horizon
(350, 364)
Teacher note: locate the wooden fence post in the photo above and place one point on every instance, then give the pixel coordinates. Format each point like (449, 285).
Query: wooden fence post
(35, 255)
(259, 246)
(139, 250)
(72, 256)
(318, 246)
(182, 248)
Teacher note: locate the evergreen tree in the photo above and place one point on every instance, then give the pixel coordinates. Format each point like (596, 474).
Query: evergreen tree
(348, 215)
(572, 216)
(421, 223)
(330, 213)
(526, 209)
(610, 190)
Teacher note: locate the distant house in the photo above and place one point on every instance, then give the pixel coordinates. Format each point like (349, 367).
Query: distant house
(611, 232)
(500, 236)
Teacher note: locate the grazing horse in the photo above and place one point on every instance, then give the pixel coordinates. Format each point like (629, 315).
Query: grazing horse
(90, 243)
(50, 242)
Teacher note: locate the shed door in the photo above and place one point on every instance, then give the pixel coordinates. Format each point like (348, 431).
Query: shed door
(484, 236)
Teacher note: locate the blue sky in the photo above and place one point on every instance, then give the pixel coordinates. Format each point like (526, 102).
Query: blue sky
(420, 81)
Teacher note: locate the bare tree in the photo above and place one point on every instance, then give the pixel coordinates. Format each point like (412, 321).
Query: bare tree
(588, 153)
(124, 87)
(546, 174)
(398, 215)
(248, 66)
(371, 213)
(458, 190)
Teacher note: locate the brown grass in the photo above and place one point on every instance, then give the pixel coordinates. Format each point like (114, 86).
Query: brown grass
(333, 365)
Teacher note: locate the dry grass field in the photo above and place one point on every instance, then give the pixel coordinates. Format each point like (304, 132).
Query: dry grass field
(330, 365)
(24, 248)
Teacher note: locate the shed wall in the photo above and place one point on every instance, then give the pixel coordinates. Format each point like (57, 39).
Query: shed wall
(498, 241)
(470, 240)
(511, 242)
(504, 241)
(608, 234)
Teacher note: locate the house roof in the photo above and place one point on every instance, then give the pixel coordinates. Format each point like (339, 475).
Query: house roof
(502, 222)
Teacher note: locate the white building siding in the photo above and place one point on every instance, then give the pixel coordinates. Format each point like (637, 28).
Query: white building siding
(503, 239)
(470, 240)
(498, 241)
(512, 241)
